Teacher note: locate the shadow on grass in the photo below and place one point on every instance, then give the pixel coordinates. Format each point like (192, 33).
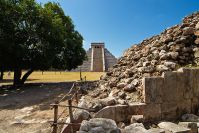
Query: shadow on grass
(40, 94)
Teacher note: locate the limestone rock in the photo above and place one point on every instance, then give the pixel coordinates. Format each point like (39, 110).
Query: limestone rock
(196, 33)
(135, 128)
(122, 102)
(99, 125)
(121, 125)
(81, 115)
(170, 64)
(108, 101)
(197, 41)
(137, 118)
(173, 55)
(155, 130)
(174, 128)
(188, 31)
(121, 95)
(121, 85)
(197, 26)
(190, 118)
(97, 106)
(162, 68)
(129, 88)
(190, 125)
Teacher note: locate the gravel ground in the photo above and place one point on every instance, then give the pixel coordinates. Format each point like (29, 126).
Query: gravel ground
(27, 110)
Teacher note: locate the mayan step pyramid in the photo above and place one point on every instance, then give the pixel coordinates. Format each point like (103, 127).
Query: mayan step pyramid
(99, 59)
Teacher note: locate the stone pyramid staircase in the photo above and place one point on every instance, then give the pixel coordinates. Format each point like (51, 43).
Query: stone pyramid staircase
(99, 59)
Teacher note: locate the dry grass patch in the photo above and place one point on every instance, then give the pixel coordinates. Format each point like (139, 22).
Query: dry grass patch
(52, 76)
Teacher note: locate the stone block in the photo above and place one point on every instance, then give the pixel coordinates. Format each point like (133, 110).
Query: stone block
(120, 112)
(152, 112)
(107, 112)
(184, 107)
(174, 128)
(169, 111)
(180, 85)
(170, 87)
(194, 80)
(136, 109)
(153, 89)
(194, 104)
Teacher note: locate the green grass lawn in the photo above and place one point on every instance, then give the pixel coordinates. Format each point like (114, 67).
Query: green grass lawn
(50, 76)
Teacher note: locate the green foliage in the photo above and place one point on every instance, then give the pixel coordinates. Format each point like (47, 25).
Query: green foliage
(37, 37)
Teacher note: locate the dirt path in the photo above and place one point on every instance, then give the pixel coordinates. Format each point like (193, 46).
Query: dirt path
(27, 110)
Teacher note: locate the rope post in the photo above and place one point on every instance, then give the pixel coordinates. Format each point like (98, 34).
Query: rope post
(76, 97)
(55, 117)
(70, 114)
(70, 111)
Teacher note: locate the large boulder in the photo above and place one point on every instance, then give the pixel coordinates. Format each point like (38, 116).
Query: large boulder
(135, 128)
(99, 125)
(80, 115)
(190, 118)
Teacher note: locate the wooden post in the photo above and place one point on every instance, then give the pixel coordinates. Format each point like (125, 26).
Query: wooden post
(70, 110)
(55, 117)
(76, 97)
(70, 114)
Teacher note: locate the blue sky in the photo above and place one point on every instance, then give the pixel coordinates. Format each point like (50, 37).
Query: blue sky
(122, 23)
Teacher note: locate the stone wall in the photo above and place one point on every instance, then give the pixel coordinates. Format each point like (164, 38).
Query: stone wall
(172, 94)
(166, 97)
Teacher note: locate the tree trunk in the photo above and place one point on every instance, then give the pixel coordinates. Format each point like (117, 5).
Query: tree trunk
(17, 77)
(1, 76)
(26, 75)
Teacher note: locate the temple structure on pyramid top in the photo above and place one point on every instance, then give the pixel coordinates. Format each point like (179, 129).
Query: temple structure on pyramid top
(99, 59)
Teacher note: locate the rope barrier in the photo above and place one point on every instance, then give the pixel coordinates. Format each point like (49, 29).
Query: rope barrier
(73, 93)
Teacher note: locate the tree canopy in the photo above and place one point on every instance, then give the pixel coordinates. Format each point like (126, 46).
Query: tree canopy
(36, 37)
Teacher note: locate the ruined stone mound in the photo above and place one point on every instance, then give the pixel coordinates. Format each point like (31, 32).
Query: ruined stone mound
(176, 47)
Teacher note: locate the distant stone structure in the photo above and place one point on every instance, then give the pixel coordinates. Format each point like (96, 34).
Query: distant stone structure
(99, 59)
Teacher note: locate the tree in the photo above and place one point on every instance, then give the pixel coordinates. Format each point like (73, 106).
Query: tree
(7, 27)
(41, 38)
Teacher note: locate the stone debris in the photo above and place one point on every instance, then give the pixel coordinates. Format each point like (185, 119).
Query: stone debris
(120, 91)
(175, 47)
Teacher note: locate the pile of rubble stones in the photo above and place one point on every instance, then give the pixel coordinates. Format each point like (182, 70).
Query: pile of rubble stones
(176, 47)
(189, 123)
